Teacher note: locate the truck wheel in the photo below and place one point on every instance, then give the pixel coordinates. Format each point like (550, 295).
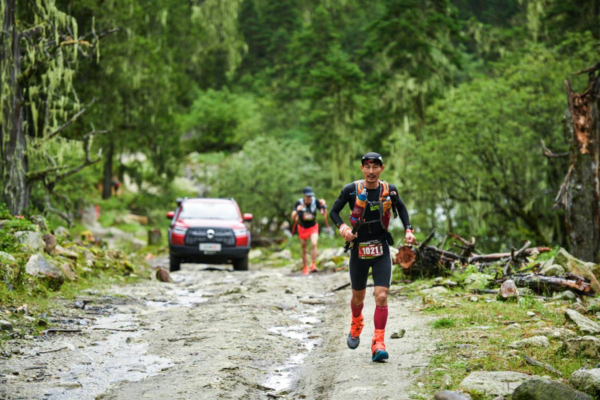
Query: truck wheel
(174, 263)
(241, 264)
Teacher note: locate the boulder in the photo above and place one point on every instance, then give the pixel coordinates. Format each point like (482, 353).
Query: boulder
(39, 266)
(534, 341)
(255, 253)
(494, 383)
(586, 380)
(552, 270)
(329, 254)
(540, 389)
(449, 283)
(68, 271)
(584, 324)
(283, 255)
(6, 258)
(478, 281)
(5, 325)
(61, 251)
(578, 267)
(50, 243)
(437, 290)
(588, 346)
(31, 240)
(566, 295)
(508, 291)
(448, 395)
(62, 233)
(329, 265)
(137, 243)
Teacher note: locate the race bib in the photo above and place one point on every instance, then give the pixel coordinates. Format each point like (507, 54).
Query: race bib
(308, 216)
(369, 250)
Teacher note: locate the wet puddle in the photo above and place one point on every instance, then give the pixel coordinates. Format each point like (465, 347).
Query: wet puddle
(120, 357)
(282, 376)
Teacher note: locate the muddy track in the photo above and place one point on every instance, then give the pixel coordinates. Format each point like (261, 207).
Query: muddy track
(218, 335)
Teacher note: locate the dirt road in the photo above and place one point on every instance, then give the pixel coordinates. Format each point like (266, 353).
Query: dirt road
(218, 334)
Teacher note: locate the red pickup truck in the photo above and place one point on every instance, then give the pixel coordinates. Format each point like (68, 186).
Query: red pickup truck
(209, 231)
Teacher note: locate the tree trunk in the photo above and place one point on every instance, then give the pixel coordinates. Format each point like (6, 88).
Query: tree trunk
(14, 162)
(580, 192)
(108, 172)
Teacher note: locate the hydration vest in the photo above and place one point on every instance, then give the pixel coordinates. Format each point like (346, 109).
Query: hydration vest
(385, 202)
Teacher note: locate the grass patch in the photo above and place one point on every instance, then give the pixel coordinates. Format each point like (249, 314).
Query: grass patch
(443, 323)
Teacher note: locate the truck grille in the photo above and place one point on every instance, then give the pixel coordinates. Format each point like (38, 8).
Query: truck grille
(195, 236)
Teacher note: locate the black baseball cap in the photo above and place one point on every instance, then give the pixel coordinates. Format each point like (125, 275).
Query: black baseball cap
(308, 191)
(372, 156)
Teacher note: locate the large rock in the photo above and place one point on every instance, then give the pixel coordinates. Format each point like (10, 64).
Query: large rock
(39, 266)
(329, 254)
(508, 291)
(534, 341)
(576, 266)
(448, 395)
(584, 324)
(62, 233)
(5, 325)
(436, 290)
(61, 251)
(497, 383)
(586, 380)
(283, 254)
(50, 242)
(588, 346)
(255, 253)
(68, 271)
(31, 240)
(539, 389)
(6, 258)
(478, 281)
(552, 270)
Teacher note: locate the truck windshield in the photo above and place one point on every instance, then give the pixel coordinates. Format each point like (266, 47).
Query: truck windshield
(209, 210)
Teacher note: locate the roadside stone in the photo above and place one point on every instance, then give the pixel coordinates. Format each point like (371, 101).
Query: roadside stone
(399, 334)
(283, 254)
(530, 314)
(587, 346)
(566, 295)
(40, 221)
(446, 382)
(496, 383)
(448, 395)
(508, 291)
(5, 325)
(540, 389)
(584, 324)
(552, 270)
(68, 271)
(255, 253)
(586, 380)
(62, 233)
(575, 266)
(137, 244)
(31, 240)
(6, 258)
(535, 341)
(50, 243)
(163, 275)
(39, 266)
(438, 280)
(329, 265)
(437, 290)
(579, 308)
(474, 299)
(61, 251)
(449, 283)
(478, 281)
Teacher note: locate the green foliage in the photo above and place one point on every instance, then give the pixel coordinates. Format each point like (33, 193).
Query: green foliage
(267, 177)
(444, 323)
(221, 120)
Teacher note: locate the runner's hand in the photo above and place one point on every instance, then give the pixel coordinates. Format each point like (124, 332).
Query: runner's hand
(300, 207)
(349, 236)
(409, 238)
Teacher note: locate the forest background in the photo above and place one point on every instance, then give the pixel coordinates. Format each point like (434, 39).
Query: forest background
(256, 99)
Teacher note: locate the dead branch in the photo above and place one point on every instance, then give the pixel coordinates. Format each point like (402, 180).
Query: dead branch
(514, 256)
(68, 123)
(547, 367)
(550, 154)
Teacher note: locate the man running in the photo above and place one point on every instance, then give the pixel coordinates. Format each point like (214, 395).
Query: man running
(305, 216)
(370, 245)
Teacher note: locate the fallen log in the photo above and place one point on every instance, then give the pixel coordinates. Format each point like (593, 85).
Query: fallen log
(500, 256)
(544, 284)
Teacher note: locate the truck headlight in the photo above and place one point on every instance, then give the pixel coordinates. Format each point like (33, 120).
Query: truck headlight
(240, 232)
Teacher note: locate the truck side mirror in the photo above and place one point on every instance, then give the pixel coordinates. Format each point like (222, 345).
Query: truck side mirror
(170, 214)
(248, 217)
